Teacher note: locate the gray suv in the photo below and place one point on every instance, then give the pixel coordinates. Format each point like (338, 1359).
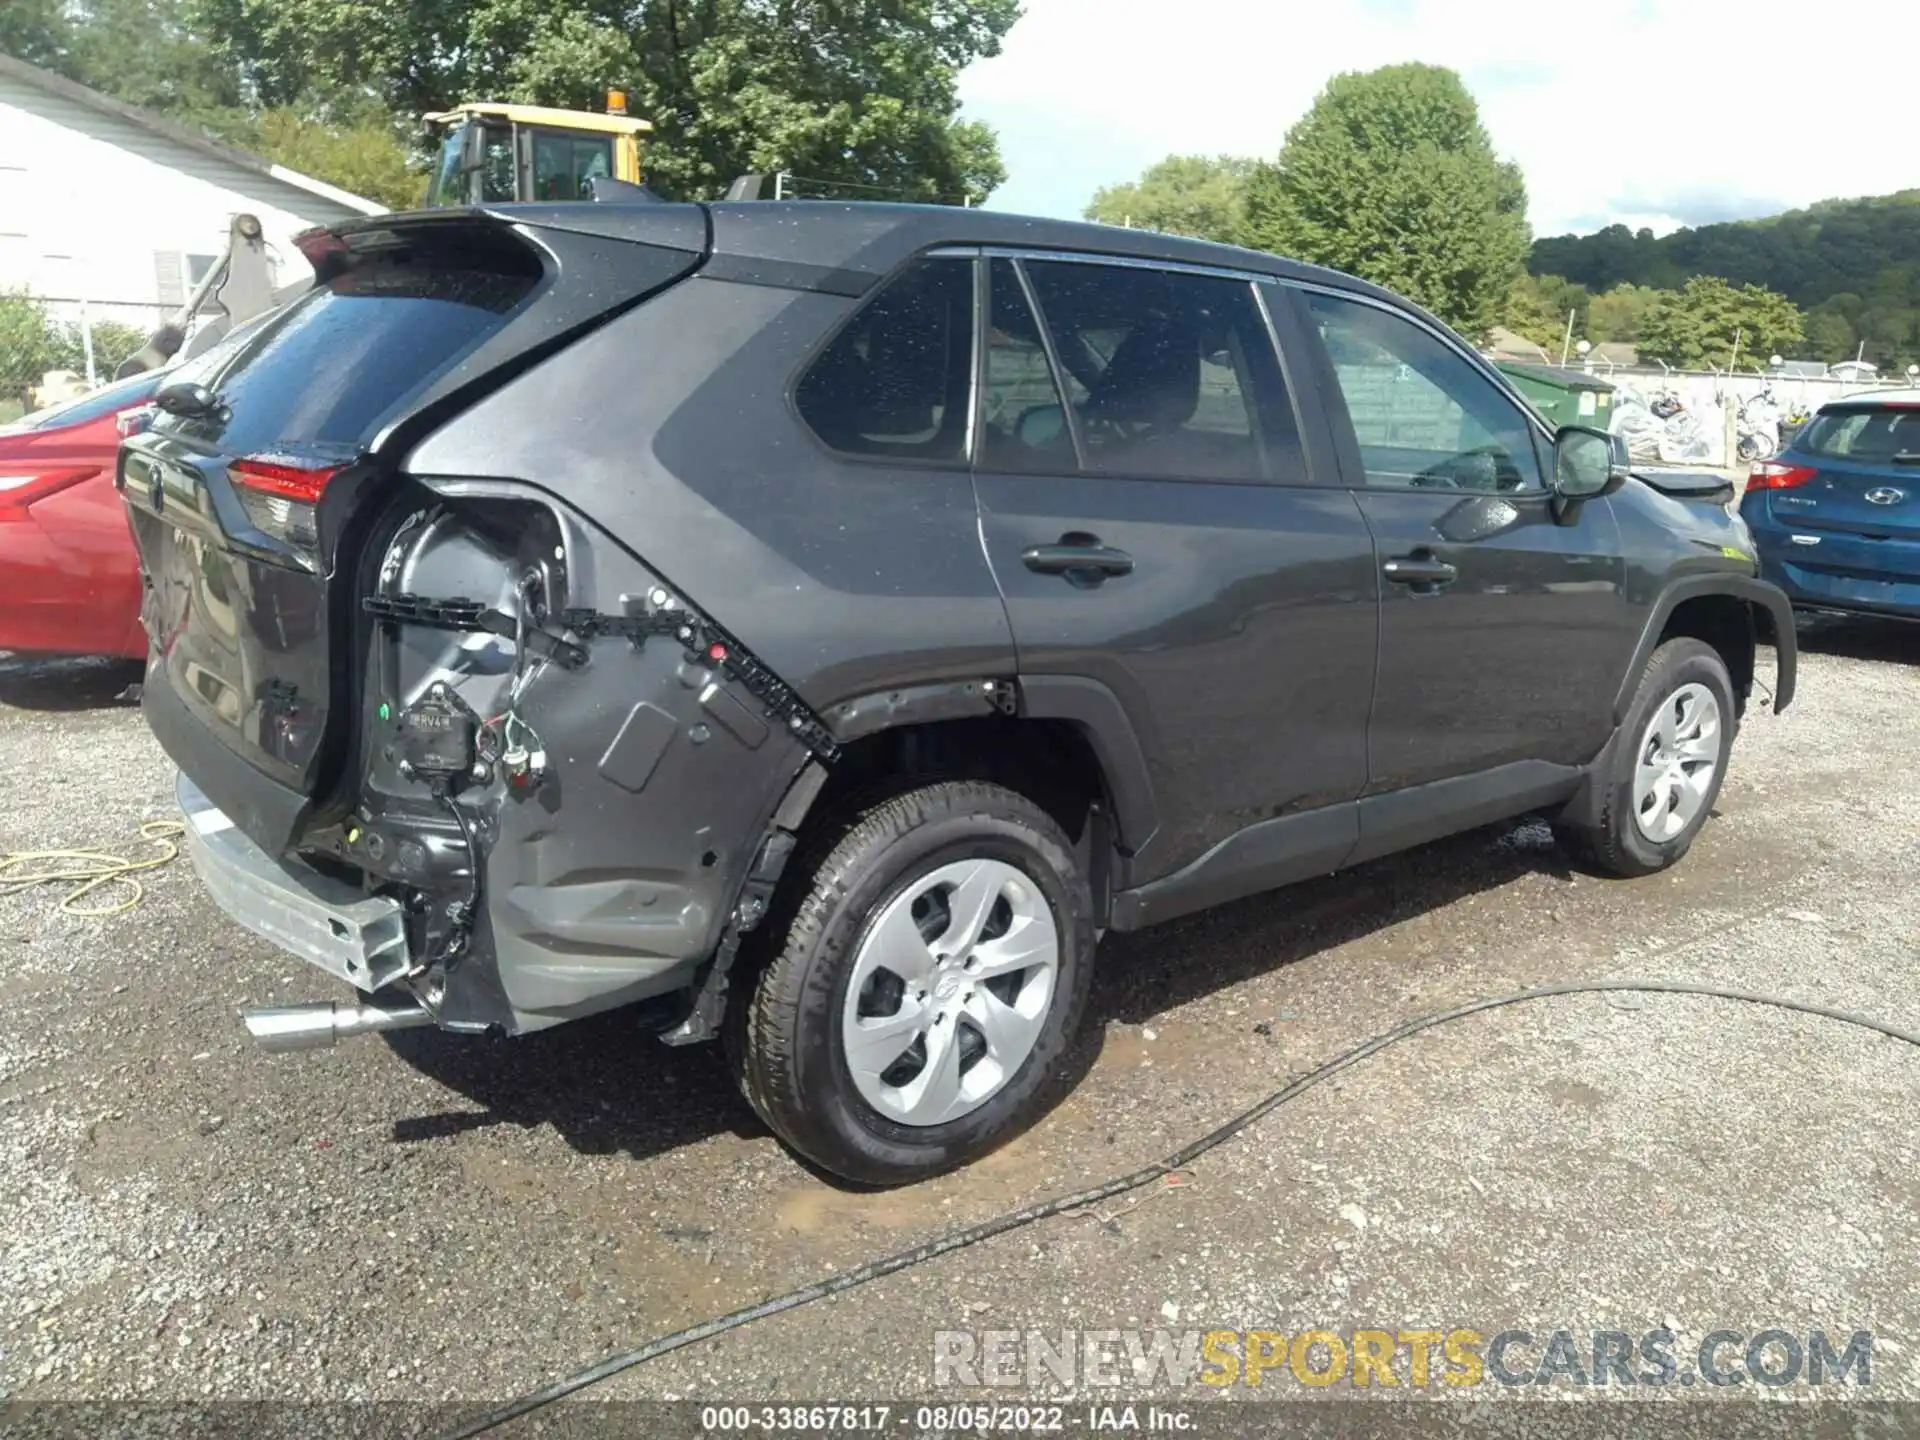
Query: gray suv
(824, 622)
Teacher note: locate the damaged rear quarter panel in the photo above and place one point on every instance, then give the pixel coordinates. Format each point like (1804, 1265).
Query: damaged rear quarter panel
(612, 880)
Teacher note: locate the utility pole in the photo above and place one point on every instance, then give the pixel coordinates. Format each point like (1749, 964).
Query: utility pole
(1567, 344)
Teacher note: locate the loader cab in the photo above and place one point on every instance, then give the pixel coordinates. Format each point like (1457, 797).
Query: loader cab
(497, 154)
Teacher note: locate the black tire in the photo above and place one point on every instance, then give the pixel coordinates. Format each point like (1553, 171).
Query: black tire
(1617, 845)
(786, 1042)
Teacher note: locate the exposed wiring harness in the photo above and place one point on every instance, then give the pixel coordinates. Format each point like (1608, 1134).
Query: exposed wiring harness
(1093, 1195)
(86, 871)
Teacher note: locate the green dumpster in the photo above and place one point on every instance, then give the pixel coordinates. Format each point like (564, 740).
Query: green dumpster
(1563, 397)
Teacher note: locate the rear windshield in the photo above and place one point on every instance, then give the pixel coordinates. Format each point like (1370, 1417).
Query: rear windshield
(331, 369)
(1877, 433)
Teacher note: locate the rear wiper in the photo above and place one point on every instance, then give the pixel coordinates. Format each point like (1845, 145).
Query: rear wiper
(186, 399)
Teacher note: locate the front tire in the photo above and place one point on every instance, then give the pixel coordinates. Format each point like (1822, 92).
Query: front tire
(1668, 766)
(929, 981)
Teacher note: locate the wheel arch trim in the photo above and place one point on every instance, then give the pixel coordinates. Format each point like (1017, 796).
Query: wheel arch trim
(1762, 600)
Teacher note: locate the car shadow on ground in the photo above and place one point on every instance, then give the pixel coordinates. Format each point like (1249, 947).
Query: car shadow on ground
(1860, 638)
(68, 682)
(607, 1085)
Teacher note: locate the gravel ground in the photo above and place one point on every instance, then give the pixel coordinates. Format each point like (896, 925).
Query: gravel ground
(434, 1218)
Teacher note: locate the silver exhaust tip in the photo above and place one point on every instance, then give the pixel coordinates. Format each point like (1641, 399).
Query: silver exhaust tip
(282, 1029)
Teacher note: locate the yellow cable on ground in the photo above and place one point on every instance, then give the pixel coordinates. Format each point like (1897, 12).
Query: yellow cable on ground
(88, 870)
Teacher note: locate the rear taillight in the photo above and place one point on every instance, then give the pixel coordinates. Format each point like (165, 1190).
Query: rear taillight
(1778, 475)
(279, 496)
(17, 492)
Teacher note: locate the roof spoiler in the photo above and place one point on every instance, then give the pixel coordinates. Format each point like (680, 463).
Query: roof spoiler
(608, 191)
(747, 187)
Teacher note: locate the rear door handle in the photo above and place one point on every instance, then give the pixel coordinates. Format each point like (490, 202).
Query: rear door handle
(1094, 562)
(1422, 570)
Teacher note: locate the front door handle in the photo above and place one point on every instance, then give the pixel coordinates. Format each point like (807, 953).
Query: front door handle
(1423, 571)
(1082, 559)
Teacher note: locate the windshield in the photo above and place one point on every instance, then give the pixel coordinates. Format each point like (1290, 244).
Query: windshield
(449, 186)
(1871, 434)
(91, 406)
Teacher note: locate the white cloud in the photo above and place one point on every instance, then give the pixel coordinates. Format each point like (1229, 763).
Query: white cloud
(1646, 112)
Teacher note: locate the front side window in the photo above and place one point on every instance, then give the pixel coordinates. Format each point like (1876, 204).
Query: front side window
(1423, 416)
(896, 381)
(1169, 374)
(565, 165)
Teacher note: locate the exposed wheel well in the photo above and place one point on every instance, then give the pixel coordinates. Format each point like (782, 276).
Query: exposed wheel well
(1048, 761)
(1727, 623)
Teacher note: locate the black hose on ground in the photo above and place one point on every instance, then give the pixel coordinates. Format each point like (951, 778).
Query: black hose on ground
(1179, 1160)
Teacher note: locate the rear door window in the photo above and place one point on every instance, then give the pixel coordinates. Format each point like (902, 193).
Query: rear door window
(1879, 434)
(896, 381)
(1170, 374)
(1023, 426)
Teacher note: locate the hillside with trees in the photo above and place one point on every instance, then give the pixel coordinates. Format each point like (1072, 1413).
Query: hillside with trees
(1853, 267)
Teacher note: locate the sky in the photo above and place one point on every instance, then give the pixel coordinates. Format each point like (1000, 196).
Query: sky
(1656, 113)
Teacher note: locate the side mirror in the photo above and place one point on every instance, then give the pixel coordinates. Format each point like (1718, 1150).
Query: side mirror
(1586, 461)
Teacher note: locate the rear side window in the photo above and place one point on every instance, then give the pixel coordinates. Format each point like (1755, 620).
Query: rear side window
(897, 380)
(326, 373)
(1169, 374)
(1881, 434)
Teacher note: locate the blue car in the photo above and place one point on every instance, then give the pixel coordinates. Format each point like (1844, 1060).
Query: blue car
(1836, 515)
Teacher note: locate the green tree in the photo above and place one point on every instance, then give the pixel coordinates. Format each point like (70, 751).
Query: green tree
(365, 156)
(1616, 315)
(1537, 307)
(112, 343)
(1391, 177)
(29, 347)
(857, 99)
(1697, 325)
(39, 32)
(1204, 196)
(148, 53)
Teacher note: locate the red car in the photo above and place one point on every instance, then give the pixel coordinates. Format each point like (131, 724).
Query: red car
(69, 578)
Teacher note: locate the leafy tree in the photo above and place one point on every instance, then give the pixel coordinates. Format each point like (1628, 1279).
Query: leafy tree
(1391, 177)
(1203, 196)
(28, 345)
(1697, 325)
(1537, 308)
(364, 156)
(1616, 315)
(39, 32)
(857, 99)
(148, 53)
(112, 343)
